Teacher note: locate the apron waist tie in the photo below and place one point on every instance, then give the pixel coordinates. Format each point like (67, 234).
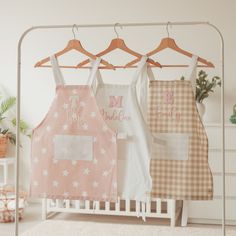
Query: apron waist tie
(142, 211)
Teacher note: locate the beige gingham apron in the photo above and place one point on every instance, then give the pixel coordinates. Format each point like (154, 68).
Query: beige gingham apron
(179, 164)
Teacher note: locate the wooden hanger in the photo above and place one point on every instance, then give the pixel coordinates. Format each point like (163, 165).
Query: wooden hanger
(170, 43)
(119, 43)
(74, 44)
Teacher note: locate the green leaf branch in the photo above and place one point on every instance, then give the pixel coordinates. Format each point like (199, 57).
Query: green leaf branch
(5, 106)
(204, 85)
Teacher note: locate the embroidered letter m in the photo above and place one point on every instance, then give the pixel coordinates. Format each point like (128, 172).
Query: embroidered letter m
(115, 101)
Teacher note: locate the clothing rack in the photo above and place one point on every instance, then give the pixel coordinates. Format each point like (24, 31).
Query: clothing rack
(151, 24)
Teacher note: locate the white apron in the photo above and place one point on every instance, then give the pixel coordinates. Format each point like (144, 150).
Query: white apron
(121, 111)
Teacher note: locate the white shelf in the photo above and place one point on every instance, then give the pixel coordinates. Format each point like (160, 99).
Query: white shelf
(201, 211)
(227, 124)
(7, 160)
(5, 163)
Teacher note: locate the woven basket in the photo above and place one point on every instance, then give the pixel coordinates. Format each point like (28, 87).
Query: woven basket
(7, 204)
(3, 145)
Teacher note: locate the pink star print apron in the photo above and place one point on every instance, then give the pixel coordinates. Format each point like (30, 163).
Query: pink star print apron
(74, 152)
(179, 165)
(120, 108)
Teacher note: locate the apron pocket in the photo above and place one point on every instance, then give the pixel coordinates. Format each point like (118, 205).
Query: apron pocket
(73, 147)
(170, 146)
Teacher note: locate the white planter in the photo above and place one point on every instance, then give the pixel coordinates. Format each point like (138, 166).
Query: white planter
(201, 109)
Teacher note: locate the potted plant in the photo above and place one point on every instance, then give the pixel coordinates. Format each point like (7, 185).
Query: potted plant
(204, 86)
(7, 124)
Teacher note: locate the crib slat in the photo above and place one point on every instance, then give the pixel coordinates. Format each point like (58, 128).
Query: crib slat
(44, 208)
(77, 204)
(148, 207)
(96, 205)
(117, 207)
(87, 204)
(127, 205)
(57, 203)
(158, 205)
(67, 204)
(107, 206)
(137, 208)
(170, 205)
(50, 202)
(82, 204)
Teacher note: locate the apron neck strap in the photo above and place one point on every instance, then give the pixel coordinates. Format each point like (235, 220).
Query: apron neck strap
(94, 69)
(150, 73)
(56, 71)
(192, 66)
(142, 85)
(140, 68)
(192, 72)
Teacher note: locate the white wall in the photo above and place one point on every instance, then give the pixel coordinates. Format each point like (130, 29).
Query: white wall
(38, 85)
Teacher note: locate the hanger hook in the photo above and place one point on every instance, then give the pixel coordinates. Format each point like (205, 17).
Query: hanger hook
(115, 25)
(167, 29)
(73, 30)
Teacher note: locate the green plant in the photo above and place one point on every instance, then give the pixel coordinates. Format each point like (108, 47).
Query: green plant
(6, 106)
(204, 85)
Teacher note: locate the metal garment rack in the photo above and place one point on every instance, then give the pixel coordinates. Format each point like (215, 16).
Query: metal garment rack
(191, 23)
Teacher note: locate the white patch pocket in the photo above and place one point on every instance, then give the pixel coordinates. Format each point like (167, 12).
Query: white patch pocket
(170, 146)
(73, 147)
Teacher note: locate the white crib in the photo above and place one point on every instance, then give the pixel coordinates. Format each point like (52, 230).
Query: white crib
(157, 208)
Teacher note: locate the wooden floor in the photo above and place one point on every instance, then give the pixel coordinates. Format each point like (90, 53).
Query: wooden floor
(32, 216)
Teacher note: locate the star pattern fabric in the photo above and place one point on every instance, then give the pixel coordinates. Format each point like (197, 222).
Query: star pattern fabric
(89, 179)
